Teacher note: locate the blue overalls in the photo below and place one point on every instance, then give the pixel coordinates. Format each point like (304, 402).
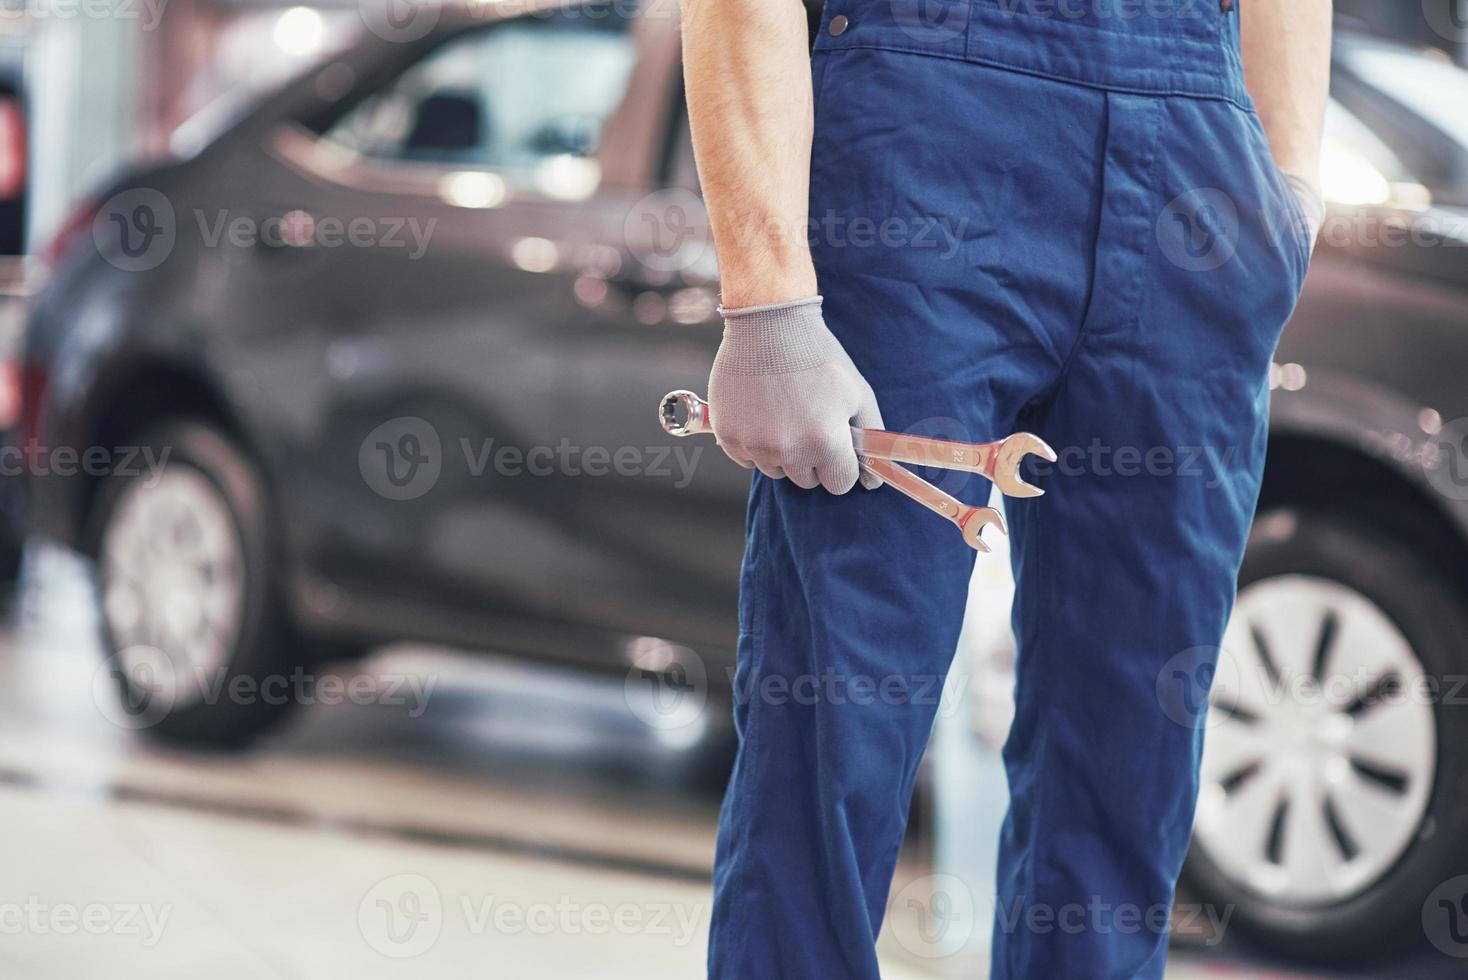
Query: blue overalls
(1059, 216)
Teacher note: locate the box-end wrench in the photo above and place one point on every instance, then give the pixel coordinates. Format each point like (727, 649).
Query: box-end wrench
(969, 520)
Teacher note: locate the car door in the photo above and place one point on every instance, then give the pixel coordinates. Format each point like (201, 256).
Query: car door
(660, 521)
(428, 242)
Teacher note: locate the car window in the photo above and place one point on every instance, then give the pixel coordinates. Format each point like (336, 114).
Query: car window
(1357, 167)
(1413, 103)
(529, 96)
(1435, 89)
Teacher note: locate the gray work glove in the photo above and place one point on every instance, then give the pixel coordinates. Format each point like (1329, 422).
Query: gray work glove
(1311, 203)
(784, 395)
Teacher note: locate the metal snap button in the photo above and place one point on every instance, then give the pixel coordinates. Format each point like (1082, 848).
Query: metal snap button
(1227, 6)
(838, 25)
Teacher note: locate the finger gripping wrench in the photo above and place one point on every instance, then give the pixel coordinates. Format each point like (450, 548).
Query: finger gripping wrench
(880, 452)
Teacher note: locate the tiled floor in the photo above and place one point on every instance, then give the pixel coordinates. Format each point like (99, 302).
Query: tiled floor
(190, 896)
(523, 826)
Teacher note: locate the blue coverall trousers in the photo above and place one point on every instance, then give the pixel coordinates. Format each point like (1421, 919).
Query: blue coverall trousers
(1059, 216)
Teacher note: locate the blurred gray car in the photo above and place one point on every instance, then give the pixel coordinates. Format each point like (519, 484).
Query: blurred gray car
(442, 429)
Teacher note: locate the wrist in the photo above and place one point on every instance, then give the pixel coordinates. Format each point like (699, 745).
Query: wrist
(776, 338)
(1312, 204)
(794, 310)
(1301, 158)
(739, 292)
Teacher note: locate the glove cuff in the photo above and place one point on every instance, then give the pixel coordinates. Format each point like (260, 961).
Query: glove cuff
(780, 338)
(1311, 203)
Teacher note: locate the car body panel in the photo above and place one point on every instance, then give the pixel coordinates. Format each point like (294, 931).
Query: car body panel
(539, 323)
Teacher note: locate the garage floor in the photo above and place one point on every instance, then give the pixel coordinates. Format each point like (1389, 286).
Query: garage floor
(519, 821)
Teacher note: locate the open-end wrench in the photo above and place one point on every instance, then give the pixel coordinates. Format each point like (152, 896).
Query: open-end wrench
(969, 520)
(997, 461)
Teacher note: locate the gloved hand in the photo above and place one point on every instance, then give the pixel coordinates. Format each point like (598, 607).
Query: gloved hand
(1312, 205)
(784, 395)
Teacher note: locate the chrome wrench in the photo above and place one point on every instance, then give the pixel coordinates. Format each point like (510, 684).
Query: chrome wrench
(969, 520)
(996, 461)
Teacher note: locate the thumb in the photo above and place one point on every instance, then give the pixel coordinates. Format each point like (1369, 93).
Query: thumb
(868, 416)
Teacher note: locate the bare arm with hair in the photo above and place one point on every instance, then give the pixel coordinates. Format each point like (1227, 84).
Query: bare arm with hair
(747, 78)
(783, 391)
(1286, 46)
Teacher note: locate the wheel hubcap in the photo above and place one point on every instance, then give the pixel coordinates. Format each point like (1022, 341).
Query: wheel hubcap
(1321, 755)
(171, 586)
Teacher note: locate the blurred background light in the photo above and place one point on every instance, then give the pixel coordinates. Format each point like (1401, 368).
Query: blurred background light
(1348, 178)
(299, 31)
(472, 189)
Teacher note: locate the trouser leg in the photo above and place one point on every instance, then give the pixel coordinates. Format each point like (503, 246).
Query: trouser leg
(1126, 570)
(956, 299)
(980, 284)
(835, 693)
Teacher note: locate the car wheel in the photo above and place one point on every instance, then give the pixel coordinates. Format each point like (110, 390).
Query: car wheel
(191, 619)
(1333, 793)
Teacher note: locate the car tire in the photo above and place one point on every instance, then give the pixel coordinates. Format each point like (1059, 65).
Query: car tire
(1360, 904)
(192, 620)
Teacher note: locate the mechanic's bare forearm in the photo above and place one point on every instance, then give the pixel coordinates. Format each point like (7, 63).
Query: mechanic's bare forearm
(747, 77)
(1286, 46)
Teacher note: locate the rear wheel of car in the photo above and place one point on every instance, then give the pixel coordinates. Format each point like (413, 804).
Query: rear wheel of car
(1333, 796)
(192, 621)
